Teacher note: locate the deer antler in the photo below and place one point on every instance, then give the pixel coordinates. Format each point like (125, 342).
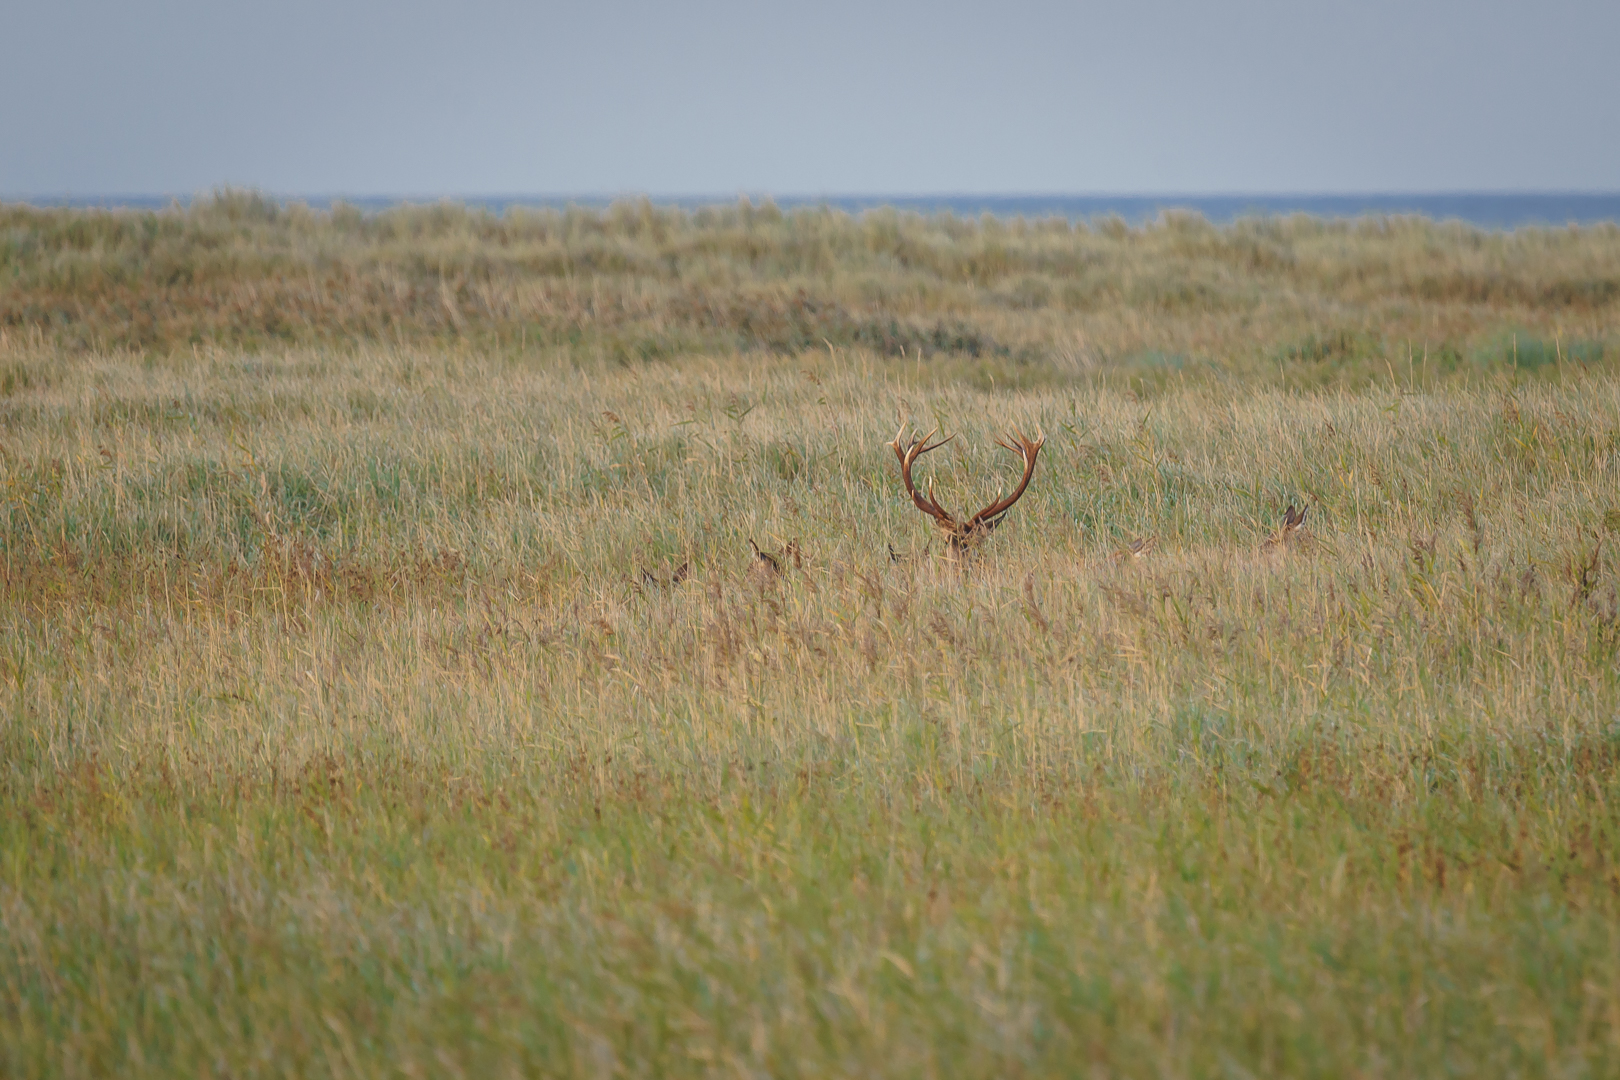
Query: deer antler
(961, 534)
(1028, 450)
(914, 449)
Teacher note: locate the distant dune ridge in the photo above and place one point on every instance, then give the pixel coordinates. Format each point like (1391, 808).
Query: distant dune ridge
(1489, 210)
(1303, 300)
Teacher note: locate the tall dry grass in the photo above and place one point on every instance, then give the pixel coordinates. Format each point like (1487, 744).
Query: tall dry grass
(354, 722)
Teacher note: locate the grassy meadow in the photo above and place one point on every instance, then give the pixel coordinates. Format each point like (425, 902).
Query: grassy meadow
(388, 686)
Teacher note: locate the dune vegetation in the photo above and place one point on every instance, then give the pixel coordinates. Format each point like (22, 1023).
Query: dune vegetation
(388, 684)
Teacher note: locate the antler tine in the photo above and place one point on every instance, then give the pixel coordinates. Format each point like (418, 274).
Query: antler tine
(1028, 450)
(1020, 442)
(916, 448)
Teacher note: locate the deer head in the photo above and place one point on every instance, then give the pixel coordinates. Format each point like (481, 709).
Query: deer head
(962, 534)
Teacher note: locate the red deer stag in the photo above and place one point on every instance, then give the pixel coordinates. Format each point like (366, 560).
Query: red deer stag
(963, 535)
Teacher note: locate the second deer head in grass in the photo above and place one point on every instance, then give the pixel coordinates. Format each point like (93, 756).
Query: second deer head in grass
(963, 534)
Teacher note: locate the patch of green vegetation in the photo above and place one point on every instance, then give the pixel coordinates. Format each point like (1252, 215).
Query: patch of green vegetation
(1335, 346)
(1528, 352)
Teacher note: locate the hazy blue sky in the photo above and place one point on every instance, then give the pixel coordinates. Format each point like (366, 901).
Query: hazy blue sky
(362, 97)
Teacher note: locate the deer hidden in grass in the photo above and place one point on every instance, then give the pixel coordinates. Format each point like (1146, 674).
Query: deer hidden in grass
(963, 534)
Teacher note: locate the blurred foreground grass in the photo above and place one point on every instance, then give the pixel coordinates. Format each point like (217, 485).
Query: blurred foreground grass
(353, 722)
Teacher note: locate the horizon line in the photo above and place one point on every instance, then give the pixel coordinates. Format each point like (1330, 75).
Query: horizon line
(799, 197)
